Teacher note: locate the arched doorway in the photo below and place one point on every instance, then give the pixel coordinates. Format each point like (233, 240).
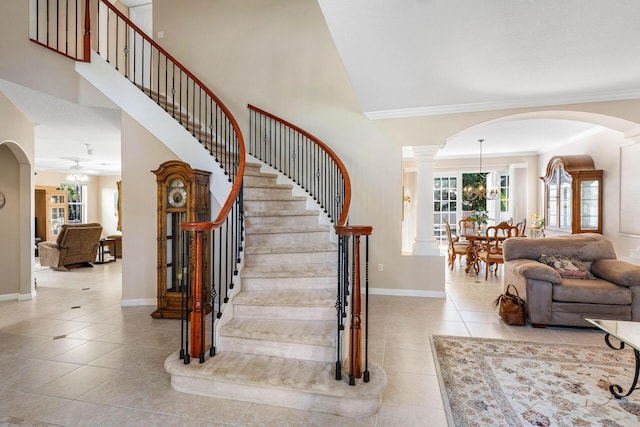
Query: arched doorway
(16, 264)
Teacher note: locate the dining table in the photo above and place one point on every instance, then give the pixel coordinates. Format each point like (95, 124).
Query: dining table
(476, 242)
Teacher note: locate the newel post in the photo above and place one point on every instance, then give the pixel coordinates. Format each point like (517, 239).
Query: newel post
(355, 330)
(196, 315)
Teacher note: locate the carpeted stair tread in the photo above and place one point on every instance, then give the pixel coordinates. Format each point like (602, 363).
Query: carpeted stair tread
(258, 198)
(277, 229)
(293, 248)
(310, 332)
(272, 372)
(307, 270)
(287, 298)
(290, 212)
(269, 186)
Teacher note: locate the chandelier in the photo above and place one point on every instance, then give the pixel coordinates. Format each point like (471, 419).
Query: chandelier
(472, 192)
(77, 173)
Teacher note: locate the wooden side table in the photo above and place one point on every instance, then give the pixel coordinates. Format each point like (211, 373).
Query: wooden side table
(112, 246)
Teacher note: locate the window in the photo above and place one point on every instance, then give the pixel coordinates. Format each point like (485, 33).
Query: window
(504, 193)
(77, 196)
(445, 204)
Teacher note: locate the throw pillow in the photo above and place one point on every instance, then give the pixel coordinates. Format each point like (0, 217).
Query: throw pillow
(567, 266)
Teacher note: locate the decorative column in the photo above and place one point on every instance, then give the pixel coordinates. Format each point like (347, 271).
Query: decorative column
(425, 244)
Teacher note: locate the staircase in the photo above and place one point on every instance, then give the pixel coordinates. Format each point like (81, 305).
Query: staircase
(278, 346)
(279, 334)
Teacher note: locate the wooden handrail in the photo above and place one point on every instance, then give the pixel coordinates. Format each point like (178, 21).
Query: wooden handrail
(237, 185)
(342, 220)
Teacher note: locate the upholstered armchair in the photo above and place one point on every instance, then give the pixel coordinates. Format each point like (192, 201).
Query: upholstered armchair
(76, 246)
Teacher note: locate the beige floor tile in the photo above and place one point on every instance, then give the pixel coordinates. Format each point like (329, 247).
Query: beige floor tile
(398, 415)
(77, 382)
(118, 379)
(85, 353)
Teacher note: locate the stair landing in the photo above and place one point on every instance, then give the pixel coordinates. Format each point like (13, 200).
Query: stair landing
(268, 380)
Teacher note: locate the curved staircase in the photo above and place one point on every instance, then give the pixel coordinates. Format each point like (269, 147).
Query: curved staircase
(278, 346)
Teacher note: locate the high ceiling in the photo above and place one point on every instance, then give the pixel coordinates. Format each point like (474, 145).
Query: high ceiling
(422, 57)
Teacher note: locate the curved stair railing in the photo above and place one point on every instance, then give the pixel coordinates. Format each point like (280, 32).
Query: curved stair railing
(317, 169)
(65, 26)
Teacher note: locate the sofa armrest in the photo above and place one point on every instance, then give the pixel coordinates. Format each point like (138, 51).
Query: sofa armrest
(616, 271)
(535, 270)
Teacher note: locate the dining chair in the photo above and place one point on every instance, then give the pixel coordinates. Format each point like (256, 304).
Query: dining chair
(456, 246)
(491, 252)
(522, 226)
(466, 226)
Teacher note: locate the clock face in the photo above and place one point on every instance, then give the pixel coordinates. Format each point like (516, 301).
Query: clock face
(177, 194)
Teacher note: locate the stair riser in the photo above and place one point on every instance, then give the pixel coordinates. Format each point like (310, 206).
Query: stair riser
(287, 238)
(268, 283)
(266, 193)
(296, 399)
(256, 221)
(316, 353)
(258, 180)
(274, 205)
(295, 258)
(287, 313)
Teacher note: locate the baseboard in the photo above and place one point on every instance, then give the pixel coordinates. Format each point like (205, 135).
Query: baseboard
(138, 302)
(406, 293)
(27, 297)
(9, 297)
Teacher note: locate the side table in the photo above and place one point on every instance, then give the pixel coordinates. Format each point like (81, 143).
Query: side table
(109, 243)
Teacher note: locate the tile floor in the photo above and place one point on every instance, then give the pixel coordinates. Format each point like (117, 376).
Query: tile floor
(73, 357)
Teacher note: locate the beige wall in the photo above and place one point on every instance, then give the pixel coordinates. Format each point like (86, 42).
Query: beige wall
(279, 55)
(141, 153)
(16, 217)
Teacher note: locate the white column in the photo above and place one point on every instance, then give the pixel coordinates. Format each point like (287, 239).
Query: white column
(425, 244)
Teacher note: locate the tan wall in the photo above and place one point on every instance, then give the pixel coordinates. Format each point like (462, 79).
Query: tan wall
(141, 153)
(9, 217)
(16, 217)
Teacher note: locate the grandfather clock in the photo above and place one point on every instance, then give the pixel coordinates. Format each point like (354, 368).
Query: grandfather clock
(183, 196)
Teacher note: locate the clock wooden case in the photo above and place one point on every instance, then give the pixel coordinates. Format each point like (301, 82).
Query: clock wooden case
(183, 196)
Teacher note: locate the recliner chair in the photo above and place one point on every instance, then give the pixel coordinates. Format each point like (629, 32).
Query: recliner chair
(76, 246)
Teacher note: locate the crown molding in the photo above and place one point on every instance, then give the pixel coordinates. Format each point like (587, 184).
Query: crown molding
(501, 105)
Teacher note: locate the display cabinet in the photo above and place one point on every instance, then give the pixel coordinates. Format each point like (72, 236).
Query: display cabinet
(51, 212)
(572, 195)
(183, 196)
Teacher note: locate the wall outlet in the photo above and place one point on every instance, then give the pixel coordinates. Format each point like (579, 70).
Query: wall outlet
(160, 34)
(380, 267)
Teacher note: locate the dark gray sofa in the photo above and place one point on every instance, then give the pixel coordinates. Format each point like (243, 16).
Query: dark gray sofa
(556, 300)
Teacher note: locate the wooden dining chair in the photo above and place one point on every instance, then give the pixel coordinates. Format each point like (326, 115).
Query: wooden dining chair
(522, 226)
(466, 226)
(491, 252)
(456, 246)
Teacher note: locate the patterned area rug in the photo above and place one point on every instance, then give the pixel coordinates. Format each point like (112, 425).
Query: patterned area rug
(516, 383)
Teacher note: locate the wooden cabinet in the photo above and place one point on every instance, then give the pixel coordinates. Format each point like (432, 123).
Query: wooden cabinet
(572, 195)
(183, 196)
(51, 212)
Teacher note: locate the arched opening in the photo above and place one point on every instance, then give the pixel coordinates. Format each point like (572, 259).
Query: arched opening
(515, 172)
(16, 264)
